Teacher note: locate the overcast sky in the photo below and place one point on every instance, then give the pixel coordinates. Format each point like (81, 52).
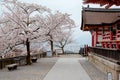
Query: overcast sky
(72, 7)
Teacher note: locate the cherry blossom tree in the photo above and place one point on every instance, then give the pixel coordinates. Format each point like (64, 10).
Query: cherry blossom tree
(63, 39)
(8, 38)
(54, 24)
(22, 24)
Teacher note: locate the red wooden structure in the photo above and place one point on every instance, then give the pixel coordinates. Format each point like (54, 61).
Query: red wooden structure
(104, 25)
(108, 3)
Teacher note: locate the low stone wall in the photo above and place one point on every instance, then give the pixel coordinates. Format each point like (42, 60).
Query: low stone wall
(105, 65)
(21, 60)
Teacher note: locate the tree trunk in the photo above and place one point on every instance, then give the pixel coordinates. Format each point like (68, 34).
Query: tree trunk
(63, 50)
(28, 60)
(51, 44)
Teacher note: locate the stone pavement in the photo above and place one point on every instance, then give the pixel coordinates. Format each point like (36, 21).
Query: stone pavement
(67, 69)
(36, 71)
(93, 72)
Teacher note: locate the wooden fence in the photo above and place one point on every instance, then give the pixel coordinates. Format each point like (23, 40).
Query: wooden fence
(110, 54)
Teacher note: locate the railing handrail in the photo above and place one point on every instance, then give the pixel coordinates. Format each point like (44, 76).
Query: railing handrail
(111, 54)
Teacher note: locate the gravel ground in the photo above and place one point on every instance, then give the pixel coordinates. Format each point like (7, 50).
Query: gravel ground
(36, 71)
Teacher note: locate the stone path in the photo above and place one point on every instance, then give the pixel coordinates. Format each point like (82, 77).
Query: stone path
(93, 72)
(36, 71)
(67, 69)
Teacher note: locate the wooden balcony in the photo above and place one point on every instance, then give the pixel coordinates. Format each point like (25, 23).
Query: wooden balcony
(106, 53)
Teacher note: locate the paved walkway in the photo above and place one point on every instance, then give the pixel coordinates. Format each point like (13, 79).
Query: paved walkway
(67, 69)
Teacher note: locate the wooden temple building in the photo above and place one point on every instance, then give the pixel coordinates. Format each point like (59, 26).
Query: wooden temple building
(104, 26)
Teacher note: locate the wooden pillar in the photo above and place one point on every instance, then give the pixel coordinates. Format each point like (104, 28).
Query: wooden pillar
(111, 35)
(92, 40)
(117, 45)
(106, 45)
(116, 34)
(102, 44)
(110, 44)
(96, 33)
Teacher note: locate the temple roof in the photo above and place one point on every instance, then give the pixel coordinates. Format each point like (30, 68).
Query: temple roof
(99, 16)
(107, 3)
